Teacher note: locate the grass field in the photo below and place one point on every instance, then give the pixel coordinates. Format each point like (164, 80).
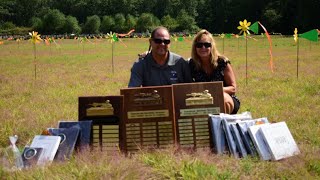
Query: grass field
(69, 70)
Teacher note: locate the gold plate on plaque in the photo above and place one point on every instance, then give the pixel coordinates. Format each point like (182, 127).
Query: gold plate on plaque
(133, 141)
(165, 131)
(202, 98)
(132, 136)
(147, 99)
(166, 135)
(149, 143)
(100, 109)
(149, 135)
(187, 141)
(185, 131)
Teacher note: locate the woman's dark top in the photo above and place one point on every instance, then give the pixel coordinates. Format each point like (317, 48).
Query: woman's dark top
(217, 75)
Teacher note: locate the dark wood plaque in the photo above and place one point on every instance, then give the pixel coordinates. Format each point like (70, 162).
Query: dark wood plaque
(193, 102)
(106, 113)
(148, 118)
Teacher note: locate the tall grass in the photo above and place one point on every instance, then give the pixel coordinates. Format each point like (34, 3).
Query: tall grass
(28, 106)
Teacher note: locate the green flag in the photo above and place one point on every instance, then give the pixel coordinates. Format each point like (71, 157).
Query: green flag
(115, 38)
(228, 35)
(310, 35)
(255, 27)
(180, 38)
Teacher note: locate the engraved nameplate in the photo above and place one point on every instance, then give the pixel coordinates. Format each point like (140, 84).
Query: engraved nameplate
(148, 114)
(199, 111)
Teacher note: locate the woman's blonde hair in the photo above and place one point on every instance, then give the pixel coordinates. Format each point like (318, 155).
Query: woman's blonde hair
(214, 51)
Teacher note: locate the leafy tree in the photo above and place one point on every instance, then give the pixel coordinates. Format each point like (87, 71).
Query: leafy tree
(80, 11)
(6, 8)
(71, 25)
(24, 10)
(53, 22)
(147, 22)
(272, 19)
(92, 25)
(107, 24)
(186, 22)
(130, 22)
(8, 25)
(119, 20)
(146, 6)
(169, 22)
(36, 24)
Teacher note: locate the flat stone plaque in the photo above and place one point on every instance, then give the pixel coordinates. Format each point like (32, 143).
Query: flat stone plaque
(49, 144)
(106, 112)
(193, 102)
(30, 156)
(85, 133)
(148, 118)
(258, 141)
(69, 138)
(279, 141)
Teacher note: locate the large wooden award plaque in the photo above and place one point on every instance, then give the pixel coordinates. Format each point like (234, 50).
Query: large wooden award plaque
(193, 102)
(106, 113)
(148, 118)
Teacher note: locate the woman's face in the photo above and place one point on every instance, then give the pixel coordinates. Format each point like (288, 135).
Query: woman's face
(203, 47)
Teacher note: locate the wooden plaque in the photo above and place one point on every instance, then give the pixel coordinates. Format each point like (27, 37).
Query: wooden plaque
(106, 113)
(193, 102)
(148, 118)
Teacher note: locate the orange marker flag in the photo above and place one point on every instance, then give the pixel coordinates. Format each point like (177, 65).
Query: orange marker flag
(124, 35)
(270, 43)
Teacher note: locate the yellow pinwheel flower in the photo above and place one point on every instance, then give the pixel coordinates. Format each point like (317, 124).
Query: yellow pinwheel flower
(112, 37)
(295, 35)
(244, 27)
(222, 35)
(35, 37)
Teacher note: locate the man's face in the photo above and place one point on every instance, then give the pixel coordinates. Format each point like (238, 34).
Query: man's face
(160, 43)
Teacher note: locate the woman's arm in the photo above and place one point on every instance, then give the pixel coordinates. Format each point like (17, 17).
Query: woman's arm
(230, 80)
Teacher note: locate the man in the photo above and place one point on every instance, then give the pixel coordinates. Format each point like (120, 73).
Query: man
(160, 66)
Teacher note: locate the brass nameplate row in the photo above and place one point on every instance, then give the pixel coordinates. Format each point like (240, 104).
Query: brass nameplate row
(193, 103)
(194, 132)
(105, 137)
(149, 135)
(148, 121)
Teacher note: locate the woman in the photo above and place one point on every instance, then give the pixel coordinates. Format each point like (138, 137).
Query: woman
(207, 64)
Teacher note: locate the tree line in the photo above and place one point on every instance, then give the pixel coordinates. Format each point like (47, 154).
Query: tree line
(102, 16)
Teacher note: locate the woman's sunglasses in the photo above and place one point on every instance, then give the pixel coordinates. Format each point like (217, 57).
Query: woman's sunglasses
(160, 41)
(200, 45)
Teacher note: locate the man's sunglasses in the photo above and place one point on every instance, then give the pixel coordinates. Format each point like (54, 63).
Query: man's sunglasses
(200, 45)
(160, 41)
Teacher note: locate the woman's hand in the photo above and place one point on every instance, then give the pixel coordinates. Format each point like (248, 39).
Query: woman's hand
(142, 55)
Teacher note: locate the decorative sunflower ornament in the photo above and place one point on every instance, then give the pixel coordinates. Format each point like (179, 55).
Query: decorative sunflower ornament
(244, 27)
(35, 37)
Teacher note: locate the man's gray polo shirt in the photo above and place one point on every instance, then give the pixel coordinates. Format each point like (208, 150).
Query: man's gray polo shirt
(146, 72)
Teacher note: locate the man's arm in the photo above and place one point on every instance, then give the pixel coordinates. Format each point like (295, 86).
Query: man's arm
(136, 77)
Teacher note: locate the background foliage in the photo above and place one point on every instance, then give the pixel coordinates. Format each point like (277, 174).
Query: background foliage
(218, 16)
